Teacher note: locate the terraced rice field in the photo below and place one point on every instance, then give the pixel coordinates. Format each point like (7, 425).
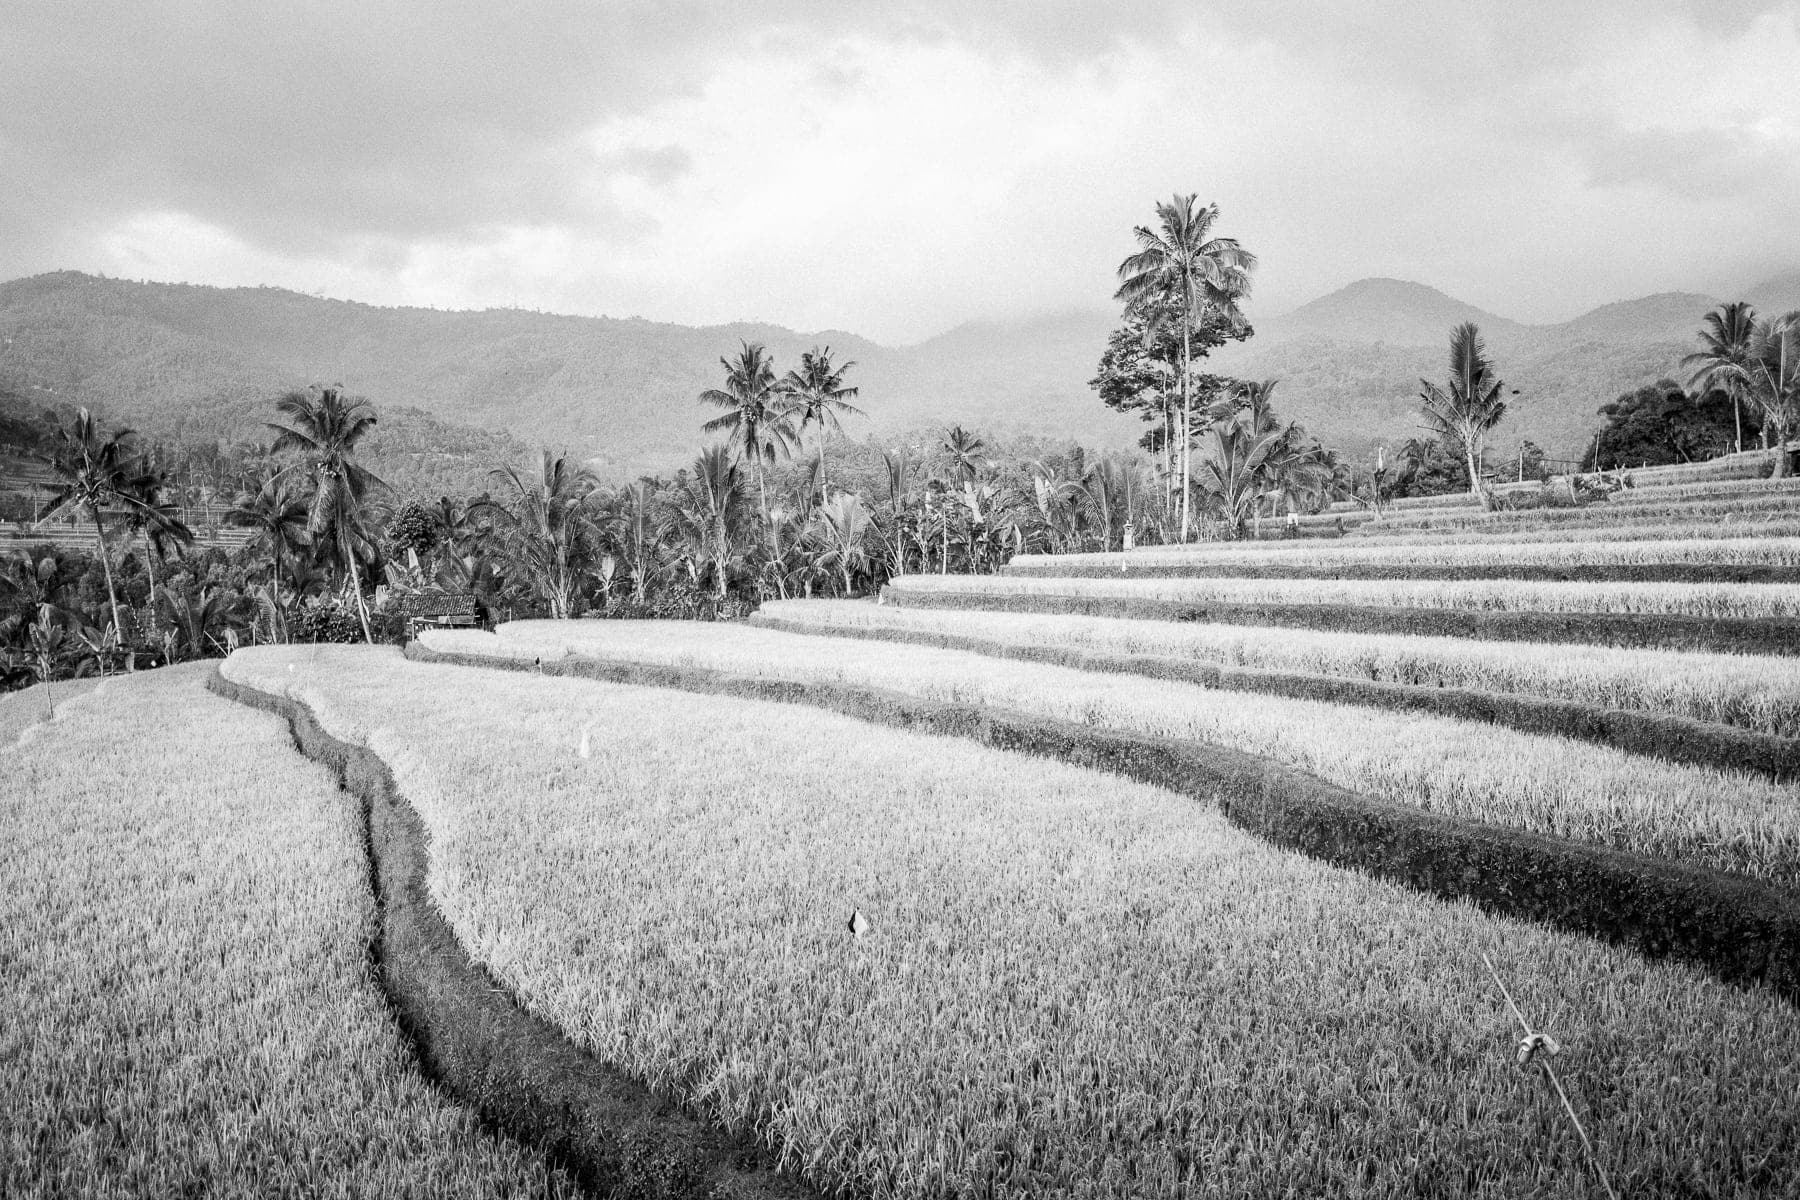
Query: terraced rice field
(1736, 601)
(1755, 692)
(1545, 784)
(1071, 986)
(183, 949)
(1325, 557)
(1066, 984)
(1641, 510)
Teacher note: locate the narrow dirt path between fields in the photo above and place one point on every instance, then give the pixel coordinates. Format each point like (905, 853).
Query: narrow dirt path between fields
(474, 1039)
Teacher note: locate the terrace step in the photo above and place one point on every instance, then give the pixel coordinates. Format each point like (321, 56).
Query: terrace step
(1167, 566)
(1728, 635)
(1654, 735)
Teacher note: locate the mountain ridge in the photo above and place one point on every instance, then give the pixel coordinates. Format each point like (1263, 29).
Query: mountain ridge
(196, 361)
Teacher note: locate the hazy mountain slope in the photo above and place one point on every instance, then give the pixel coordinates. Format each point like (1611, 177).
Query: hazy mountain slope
(1390, 311)
(180, 360)
(1777, 295)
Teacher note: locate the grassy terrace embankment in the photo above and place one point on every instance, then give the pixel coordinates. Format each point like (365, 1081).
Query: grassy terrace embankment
(1718, 618)
(1645, 510)
(1068, 989)
(1666, 705)
(184, 938)
(1463, 769)
(1735, 560)
(28, 706)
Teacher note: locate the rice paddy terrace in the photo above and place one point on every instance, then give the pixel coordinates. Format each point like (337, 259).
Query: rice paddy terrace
(1180, 872)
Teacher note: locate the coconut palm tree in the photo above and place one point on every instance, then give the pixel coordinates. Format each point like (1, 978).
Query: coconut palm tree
(324, 429)
(759, 422)
(703, 516)
(1179, 261)
(1470, 403)
(546, 529)
(202, 623)
(839, 532)
(1773, 373)
(630, 524)
(819, 394)
(962, 453)
(1233, 475)
(95, 473)
(1723, 361)
(157, 523)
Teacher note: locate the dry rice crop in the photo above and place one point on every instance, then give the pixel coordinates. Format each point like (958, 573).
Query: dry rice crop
(22, 709)
(1648, 510)
(1073, 985)
(1759, 551)
(183, 939)
(1551, 785)
(1500, 595)
(1723, 490)
(1759, 692)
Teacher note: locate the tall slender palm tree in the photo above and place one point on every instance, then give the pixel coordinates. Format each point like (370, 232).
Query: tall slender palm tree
(546, 529)
(324, 428)
(276, 514)
(703, 515)
(95, 473)
(1180, 262)
(839, 532)
(1233, 475)
(157, 522)
(759, 421)
(1774, 379)
(1470, 403)
(820, 395)
(962, 453)
(1724, 356)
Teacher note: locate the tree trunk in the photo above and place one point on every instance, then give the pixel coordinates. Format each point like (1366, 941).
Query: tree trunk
(1187, 423)
(112, 593)
(1737, 419)
(1475, 488)
(362, 610)
(150, 567)
(275, 591)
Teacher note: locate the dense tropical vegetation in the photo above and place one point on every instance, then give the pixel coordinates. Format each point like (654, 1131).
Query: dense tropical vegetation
(131, 551)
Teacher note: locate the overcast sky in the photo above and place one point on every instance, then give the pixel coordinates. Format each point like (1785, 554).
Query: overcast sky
(896, 169)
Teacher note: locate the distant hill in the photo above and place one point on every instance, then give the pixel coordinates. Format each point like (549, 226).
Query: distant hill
(1389, 311)
(1780, 294)
(460, 390)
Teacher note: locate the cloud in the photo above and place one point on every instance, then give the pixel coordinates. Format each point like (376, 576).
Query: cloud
(892, 168)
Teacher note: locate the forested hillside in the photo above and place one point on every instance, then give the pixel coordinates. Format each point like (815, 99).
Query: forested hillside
(458, 390)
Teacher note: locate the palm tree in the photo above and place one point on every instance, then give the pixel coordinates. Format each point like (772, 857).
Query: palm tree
(1470, 403)
(759, 422)
(1180, 262)
(95, 473)
(704, 514)
(1723, 359)
(1773, 371)
(820, 395)
(277, 515)
(1233, 475)
(631, 522)
(158, 522)
(324, 428)
(546, 529)
(839, 530)
(202, 622)
(962, 453)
